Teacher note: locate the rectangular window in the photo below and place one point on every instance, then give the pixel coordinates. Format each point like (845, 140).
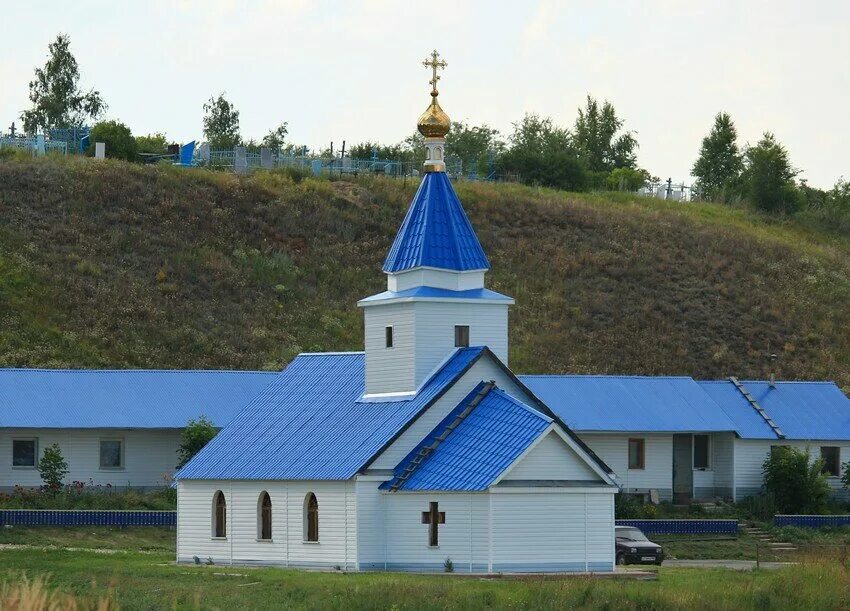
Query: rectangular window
(636, 454)
(461, 336)
(831, 460)
(24, 452)
(111, 454)
(702, 455)
(389, 337)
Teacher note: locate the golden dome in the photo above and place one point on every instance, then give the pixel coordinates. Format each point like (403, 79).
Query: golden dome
(434, 122)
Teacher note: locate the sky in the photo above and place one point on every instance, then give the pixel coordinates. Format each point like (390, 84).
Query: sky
(353, 70)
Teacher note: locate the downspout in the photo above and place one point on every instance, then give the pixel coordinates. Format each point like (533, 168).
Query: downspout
(586, 563)
(490, 532)
(286, 521)
(230, 522)
(470, 533)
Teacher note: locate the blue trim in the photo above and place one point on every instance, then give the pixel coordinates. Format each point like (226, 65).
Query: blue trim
(86, 517)
(430, 292)
(683, 527)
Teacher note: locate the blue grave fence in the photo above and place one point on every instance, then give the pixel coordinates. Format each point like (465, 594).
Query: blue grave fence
(86, 517)
(805, 521)
(683, 526)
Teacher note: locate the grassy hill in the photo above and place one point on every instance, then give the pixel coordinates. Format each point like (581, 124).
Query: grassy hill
(117, 265)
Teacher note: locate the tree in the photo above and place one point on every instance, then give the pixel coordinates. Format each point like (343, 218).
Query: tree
(156, 144)
(196, 435)
(221, 123)
(54, 92)
(627, 179)
(119, 140)
(595, 137)
(473, 145)
(768, 177)
(719, 164)
(52, 467)
(795, 480)
(542, 153)
(276, 137)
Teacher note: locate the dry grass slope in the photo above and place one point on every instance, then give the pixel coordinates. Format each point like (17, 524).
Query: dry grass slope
(117, 265)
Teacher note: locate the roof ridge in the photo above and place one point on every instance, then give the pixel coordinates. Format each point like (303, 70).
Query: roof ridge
(351, 353)
(522, 404)
(605, 375)
(70, 370)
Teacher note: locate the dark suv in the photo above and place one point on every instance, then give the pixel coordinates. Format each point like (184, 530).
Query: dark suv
(634, 548)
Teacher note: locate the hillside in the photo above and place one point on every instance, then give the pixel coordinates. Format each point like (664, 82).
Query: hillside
(118, 265)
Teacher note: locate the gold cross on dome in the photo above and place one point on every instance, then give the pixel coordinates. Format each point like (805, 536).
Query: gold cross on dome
(434, 62)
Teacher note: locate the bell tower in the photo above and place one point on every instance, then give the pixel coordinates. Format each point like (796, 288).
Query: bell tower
(435, 302)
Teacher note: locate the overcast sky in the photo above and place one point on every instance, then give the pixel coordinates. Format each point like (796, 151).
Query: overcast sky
(352, 70)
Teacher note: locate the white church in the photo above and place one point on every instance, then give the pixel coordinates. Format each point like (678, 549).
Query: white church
(421, 452)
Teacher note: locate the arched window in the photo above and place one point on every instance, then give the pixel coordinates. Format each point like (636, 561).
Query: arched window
(438, 153)
(219, 515)
(264, 517)
(311, 518)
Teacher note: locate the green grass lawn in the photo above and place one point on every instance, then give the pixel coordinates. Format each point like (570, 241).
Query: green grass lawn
(151, 580)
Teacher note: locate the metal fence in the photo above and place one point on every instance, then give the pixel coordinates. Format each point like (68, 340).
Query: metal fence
(684, 526)
(86, 517)
(36, 146)
(806, 521)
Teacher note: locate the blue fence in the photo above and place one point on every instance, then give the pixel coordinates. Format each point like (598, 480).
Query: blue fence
(811, 521)
(683, 527)
(86, 517)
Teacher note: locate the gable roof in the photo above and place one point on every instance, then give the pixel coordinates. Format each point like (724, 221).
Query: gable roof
(123, 398)
(497, 430)
(436, 232)
(802, 410)
(310, 423)
(629, 403)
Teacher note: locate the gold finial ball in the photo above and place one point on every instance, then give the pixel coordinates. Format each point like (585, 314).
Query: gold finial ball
(434, 122)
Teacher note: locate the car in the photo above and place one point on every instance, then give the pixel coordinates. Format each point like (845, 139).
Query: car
(634, 548)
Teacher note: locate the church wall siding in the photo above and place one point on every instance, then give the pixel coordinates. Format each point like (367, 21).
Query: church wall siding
(389, 369)
(551, 459)
(435, 323)
(613, 449)
(337, 524)
(552, 531)
(149, 456)
(483, 369)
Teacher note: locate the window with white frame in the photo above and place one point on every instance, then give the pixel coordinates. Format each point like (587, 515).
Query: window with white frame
(702, 452)
(461, 336)
(388, 336)
(24, 452)
(111, 454)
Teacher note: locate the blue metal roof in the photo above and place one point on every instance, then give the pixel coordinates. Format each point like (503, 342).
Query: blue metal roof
(430, 292)
(629, 403)
(311, 424)
(123, 398)
(802, 410)
(494, 434)
(436, 232)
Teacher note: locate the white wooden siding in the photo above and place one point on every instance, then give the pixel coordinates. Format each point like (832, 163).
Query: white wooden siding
(613, 449)
(389, 369)
(337, 544)
(751, 453)
(435, 331)
(551, 459)
(453, 281)
(552, 531)
(722, 452)
(483, 369)
(150, 456)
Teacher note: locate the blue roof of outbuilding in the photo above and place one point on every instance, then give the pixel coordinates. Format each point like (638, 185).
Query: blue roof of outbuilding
(436, 232)
(123, 398)
(311, 424)
(802, 410)
(629, 403)
(488, 441)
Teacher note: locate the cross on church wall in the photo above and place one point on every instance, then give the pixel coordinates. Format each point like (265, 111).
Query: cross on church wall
(433, 518)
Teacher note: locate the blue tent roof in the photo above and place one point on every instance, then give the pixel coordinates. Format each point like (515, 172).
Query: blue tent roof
(311, 424)
(802, 410)
(436, 232)
(494, 434)
(629, 403)
(123, 398)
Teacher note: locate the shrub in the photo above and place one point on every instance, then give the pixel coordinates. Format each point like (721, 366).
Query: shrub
(795, 480)
(119, 140)
(627, 507)
(626, 179)
(196, 435)
(845, 476)
(52, 467)
(760, 507)
(155, 144)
